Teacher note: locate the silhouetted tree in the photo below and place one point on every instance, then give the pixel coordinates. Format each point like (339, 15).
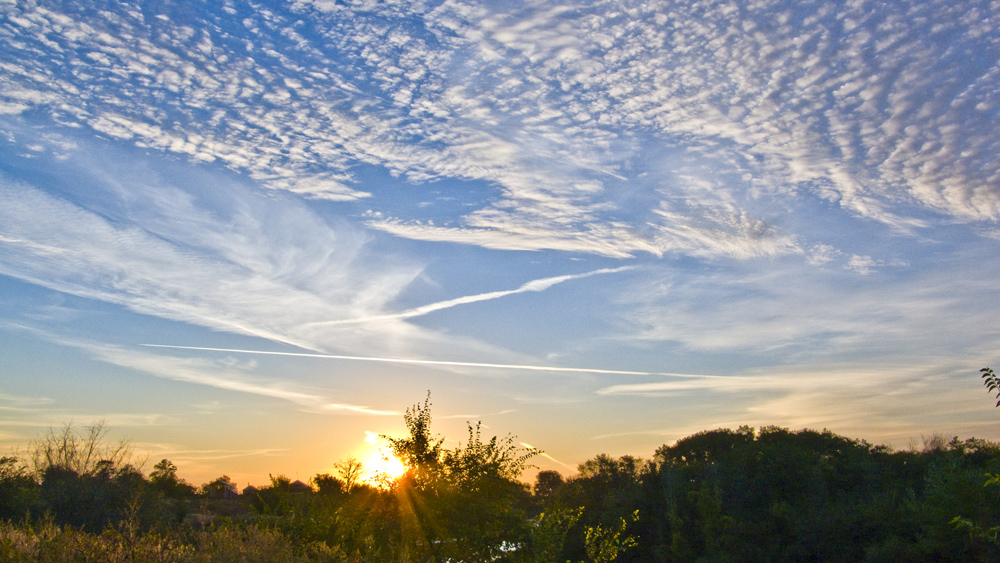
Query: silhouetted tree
(328, 485)
(420, 452)
(18, 489)
(78, 451)
(547, 484)
(350, 471)
(164, 479)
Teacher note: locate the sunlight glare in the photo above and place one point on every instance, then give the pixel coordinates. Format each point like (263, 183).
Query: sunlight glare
(380, 465)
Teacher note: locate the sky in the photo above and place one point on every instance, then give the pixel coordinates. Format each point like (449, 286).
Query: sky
(248, 236)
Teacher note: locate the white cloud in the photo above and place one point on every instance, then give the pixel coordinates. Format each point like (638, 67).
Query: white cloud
(822, 254)
(526, 235)
(265, 268)
(537, 100)
(863, 265)
(217, 374)
(819, 313)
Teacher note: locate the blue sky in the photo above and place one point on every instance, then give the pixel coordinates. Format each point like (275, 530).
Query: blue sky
(721, 213)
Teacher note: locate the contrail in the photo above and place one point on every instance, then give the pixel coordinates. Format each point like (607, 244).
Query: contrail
(431, 362)
(534, 285)
(547, 456)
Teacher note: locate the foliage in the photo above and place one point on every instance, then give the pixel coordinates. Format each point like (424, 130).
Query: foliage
(991, 382)
(605, 544)
(464, 504)
(748, 495)
(421, 451)
(548, 533)
(328, 485)
(479, 462)
(164, 479)
(18, 490)
(975, 530)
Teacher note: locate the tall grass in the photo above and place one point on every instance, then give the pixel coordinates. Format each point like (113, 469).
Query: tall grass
(47, 542)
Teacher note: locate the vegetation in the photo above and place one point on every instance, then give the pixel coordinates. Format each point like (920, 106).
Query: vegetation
(768, 494)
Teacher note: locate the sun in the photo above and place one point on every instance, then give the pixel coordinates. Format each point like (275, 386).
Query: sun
(382, 465)
(379, 464)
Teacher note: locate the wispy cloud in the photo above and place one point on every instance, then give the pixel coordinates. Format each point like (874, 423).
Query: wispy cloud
(265, 269)
(17, 401)
(203, 372)
(886, 402)
(930, 312)
(180, 455)
(223, 374)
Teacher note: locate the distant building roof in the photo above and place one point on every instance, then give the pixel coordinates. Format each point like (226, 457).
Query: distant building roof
(221, 488)
(299, 487)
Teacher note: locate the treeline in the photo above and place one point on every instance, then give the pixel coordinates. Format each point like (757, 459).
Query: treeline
(744, 495)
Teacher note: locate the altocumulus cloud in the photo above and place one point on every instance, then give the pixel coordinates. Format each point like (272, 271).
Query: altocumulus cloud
(887, 113)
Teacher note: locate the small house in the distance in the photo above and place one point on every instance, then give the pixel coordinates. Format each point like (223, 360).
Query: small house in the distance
(297, 486)
(220, 488)
(250, 490)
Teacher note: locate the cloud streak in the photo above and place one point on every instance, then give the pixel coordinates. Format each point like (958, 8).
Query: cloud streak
(429, 362)
(548, 457)
(220, 375)
(531, 286)
(208, 373)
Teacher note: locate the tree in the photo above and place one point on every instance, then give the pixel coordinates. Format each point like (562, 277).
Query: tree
(464, 504)
(78, 451)
(548, 533)
(610, 488)
(18, 489)
(280, 482)
(988, 533)
(164, 479)
(421, 451)
(548, 483)
(479, 461)
(328, 485)
(350, 471)
(484, 506)
(87, 481)
(604, 545)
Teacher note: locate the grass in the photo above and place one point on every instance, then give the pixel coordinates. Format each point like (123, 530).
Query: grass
(49, 543)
